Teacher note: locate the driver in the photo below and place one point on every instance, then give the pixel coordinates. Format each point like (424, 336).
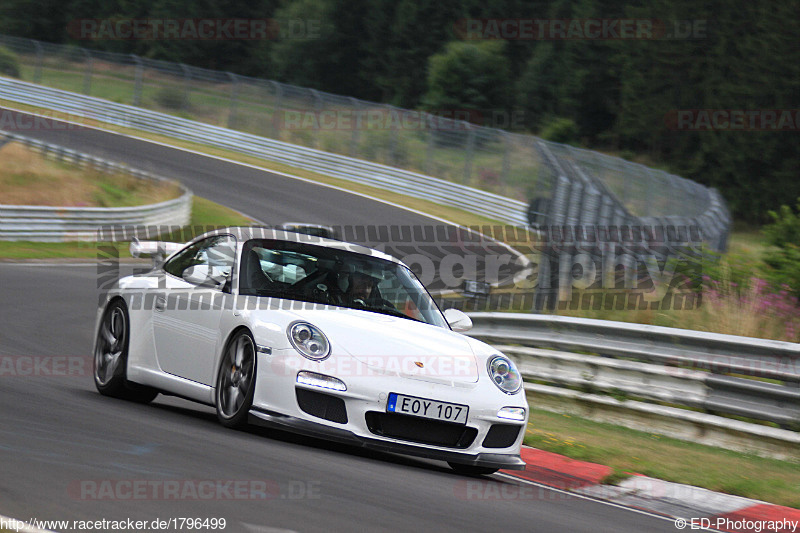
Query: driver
(363, 291)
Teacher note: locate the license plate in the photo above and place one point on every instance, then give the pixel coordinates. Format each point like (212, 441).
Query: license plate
(411, 405)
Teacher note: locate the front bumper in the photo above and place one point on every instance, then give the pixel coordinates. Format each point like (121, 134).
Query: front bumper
(272, 419)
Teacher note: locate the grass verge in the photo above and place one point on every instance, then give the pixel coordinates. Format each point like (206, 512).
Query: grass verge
(28, 178)
(204, 213)
(628, 451)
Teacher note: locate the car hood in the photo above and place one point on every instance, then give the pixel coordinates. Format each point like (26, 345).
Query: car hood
(398, 346)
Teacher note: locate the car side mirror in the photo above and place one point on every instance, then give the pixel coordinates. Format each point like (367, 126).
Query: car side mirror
(458, 320)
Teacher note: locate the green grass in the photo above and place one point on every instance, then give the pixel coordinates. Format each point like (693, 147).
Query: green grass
(29, 178)
(630, 451)
(205, 214)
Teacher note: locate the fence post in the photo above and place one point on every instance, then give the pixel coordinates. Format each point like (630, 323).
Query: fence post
(356, 124)
(234, 99)
(187, 80)
(37, 73)
(87, 75)
(318, 106)
(276, 109)
(393, 138)
(430, 127)
(506, 158)
(137, 85)
(469, 150)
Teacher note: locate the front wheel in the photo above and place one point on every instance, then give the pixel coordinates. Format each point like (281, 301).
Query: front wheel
(111, 357)
(236, 381)
(472, 470)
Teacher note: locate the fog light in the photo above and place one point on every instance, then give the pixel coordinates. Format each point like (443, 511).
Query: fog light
(304, 377)
(512, 413)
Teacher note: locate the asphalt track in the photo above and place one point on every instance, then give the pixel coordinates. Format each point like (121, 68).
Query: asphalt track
(58, 435)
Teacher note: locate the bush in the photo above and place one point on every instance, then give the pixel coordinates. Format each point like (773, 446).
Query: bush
(172, 98)
(560, 130)
(784, 259)
(9, 63)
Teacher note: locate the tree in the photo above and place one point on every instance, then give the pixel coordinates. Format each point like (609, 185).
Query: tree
(470, 76)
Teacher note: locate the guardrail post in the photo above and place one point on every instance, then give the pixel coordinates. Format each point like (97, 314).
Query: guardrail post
(234, 99)
(87, 75)
(137, 84)
(37, 72)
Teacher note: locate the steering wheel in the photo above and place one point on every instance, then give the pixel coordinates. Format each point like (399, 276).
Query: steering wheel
(322, 293)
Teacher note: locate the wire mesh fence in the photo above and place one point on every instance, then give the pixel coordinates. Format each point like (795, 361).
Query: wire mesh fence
(562, 184)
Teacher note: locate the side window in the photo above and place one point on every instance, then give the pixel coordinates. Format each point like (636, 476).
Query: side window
(214, 255)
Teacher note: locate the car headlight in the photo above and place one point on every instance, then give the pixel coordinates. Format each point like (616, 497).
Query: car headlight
(504, 374)
(309, 341)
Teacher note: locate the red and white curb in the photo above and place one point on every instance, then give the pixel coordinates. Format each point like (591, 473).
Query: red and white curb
(690, 507)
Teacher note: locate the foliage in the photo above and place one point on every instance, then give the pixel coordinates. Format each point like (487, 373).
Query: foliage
(560, 130)
(9, 63)
(467, 76)
(784, 235)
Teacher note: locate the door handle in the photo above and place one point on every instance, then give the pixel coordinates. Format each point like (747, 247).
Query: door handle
(161, 304)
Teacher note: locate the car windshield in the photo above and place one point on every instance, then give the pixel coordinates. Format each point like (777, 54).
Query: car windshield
(317, 274)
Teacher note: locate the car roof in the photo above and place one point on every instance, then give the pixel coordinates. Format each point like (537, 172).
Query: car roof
(245, 233)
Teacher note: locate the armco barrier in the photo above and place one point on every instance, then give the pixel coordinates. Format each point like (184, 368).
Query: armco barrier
(635, 370)
(392, 179)
(58, 224)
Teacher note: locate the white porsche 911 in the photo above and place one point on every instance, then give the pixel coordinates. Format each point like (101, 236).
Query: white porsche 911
(311, 335)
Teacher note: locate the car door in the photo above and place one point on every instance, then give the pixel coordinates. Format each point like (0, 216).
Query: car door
(186, 319)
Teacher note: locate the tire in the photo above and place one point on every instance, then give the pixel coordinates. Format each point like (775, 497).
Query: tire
(472, 470)
(236, 381)
(110, 359)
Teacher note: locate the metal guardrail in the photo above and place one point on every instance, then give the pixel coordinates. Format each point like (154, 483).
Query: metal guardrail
(58, 224)
(682, 367)
(492, 206)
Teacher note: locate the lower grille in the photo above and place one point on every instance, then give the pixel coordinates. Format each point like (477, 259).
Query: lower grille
(501, 436)
(420, 430)
(322, 405)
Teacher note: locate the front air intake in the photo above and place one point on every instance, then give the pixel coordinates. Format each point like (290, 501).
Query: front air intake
(322, 405)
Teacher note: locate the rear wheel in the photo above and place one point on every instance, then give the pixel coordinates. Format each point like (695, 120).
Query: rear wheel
(236, 380)
(111, 357)
(472, 470)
